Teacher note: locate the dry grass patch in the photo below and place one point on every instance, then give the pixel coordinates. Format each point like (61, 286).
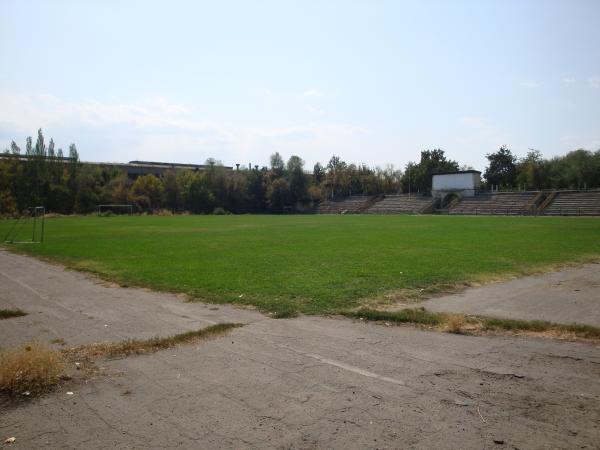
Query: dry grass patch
(32, 368)
(138, 346)
(455, 323)
(412, 295)
(542, 327)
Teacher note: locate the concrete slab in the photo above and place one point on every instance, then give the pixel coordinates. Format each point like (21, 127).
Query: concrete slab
(571, 295)
(304, 383)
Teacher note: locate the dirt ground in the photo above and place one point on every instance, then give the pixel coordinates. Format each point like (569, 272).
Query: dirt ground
(304, 383)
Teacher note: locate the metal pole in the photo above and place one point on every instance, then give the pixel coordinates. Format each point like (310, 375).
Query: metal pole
(34, 222)
(43, 221)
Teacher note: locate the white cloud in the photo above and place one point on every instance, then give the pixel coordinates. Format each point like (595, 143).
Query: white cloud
(311, 93)
(572, 142)
(156, 128)
(315, 110)
(568, 81)
(594, 81)
(530, 84)
(25, 113)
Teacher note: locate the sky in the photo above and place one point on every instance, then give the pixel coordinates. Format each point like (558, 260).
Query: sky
(373, 82)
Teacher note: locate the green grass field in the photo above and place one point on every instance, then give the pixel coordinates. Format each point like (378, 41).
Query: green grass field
(311, 264)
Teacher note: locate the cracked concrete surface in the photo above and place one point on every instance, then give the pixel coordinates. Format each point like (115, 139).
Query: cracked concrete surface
(305, 383)
(570, 295)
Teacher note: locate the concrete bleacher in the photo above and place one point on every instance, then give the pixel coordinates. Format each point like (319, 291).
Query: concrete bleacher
(500, 203)
(401, 204)
(574, 203)
(347, 205)
(584, 203)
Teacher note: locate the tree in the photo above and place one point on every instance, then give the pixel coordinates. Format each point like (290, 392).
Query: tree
(8, 174)
(582, 171)
(278, 194)
(421, 175)
(315, 193)
(502, 169)
(235, 192)
(216, 178)
(36, 170)
(116, 190)
(88, 185)
(73, 153)
(199, 198)
(318, 173)
(297, 179)
(335, 164)
(40, 147)
(277, 164)
(44, 177)
(14, 148)
(255, 190)
(530, 170)
(28, 146)
(337, 179)
(171, 191)
(408, 180)
(51, 153)
(146, 192)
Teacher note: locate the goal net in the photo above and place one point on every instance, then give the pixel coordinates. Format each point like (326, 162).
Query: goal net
(109, 210)
(28, 228)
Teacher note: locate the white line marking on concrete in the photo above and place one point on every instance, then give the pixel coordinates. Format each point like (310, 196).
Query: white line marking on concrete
(26, 286)
(348, 367)
(212, 322)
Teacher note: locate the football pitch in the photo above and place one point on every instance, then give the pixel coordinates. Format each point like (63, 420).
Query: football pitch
(312, 264)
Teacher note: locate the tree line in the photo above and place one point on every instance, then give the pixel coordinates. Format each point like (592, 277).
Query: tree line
(42, 175)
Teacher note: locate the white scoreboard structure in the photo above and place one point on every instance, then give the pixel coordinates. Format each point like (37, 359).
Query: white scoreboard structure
(464, 182)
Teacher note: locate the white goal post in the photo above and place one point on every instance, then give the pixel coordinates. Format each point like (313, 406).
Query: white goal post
(126, 209)
(28, 228)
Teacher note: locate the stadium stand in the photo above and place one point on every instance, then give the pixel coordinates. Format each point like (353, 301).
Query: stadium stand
(402, 204)
(501, 203)
(348, 205)
(574, 203)
(565, 203)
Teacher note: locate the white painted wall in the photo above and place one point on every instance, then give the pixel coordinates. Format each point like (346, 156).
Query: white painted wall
(456, 181)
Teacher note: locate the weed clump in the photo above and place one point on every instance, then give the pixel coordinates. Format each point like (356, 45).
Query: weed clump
(455, 323)
(32, 368)
(10, 313)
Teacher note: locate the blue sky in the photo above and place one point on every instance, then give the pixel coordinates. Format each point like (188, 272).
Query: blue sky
(370, 81)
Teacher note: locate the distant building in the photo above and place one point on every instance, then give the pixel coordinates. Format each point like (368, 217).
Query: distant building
(463, 183)
(133, 169)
